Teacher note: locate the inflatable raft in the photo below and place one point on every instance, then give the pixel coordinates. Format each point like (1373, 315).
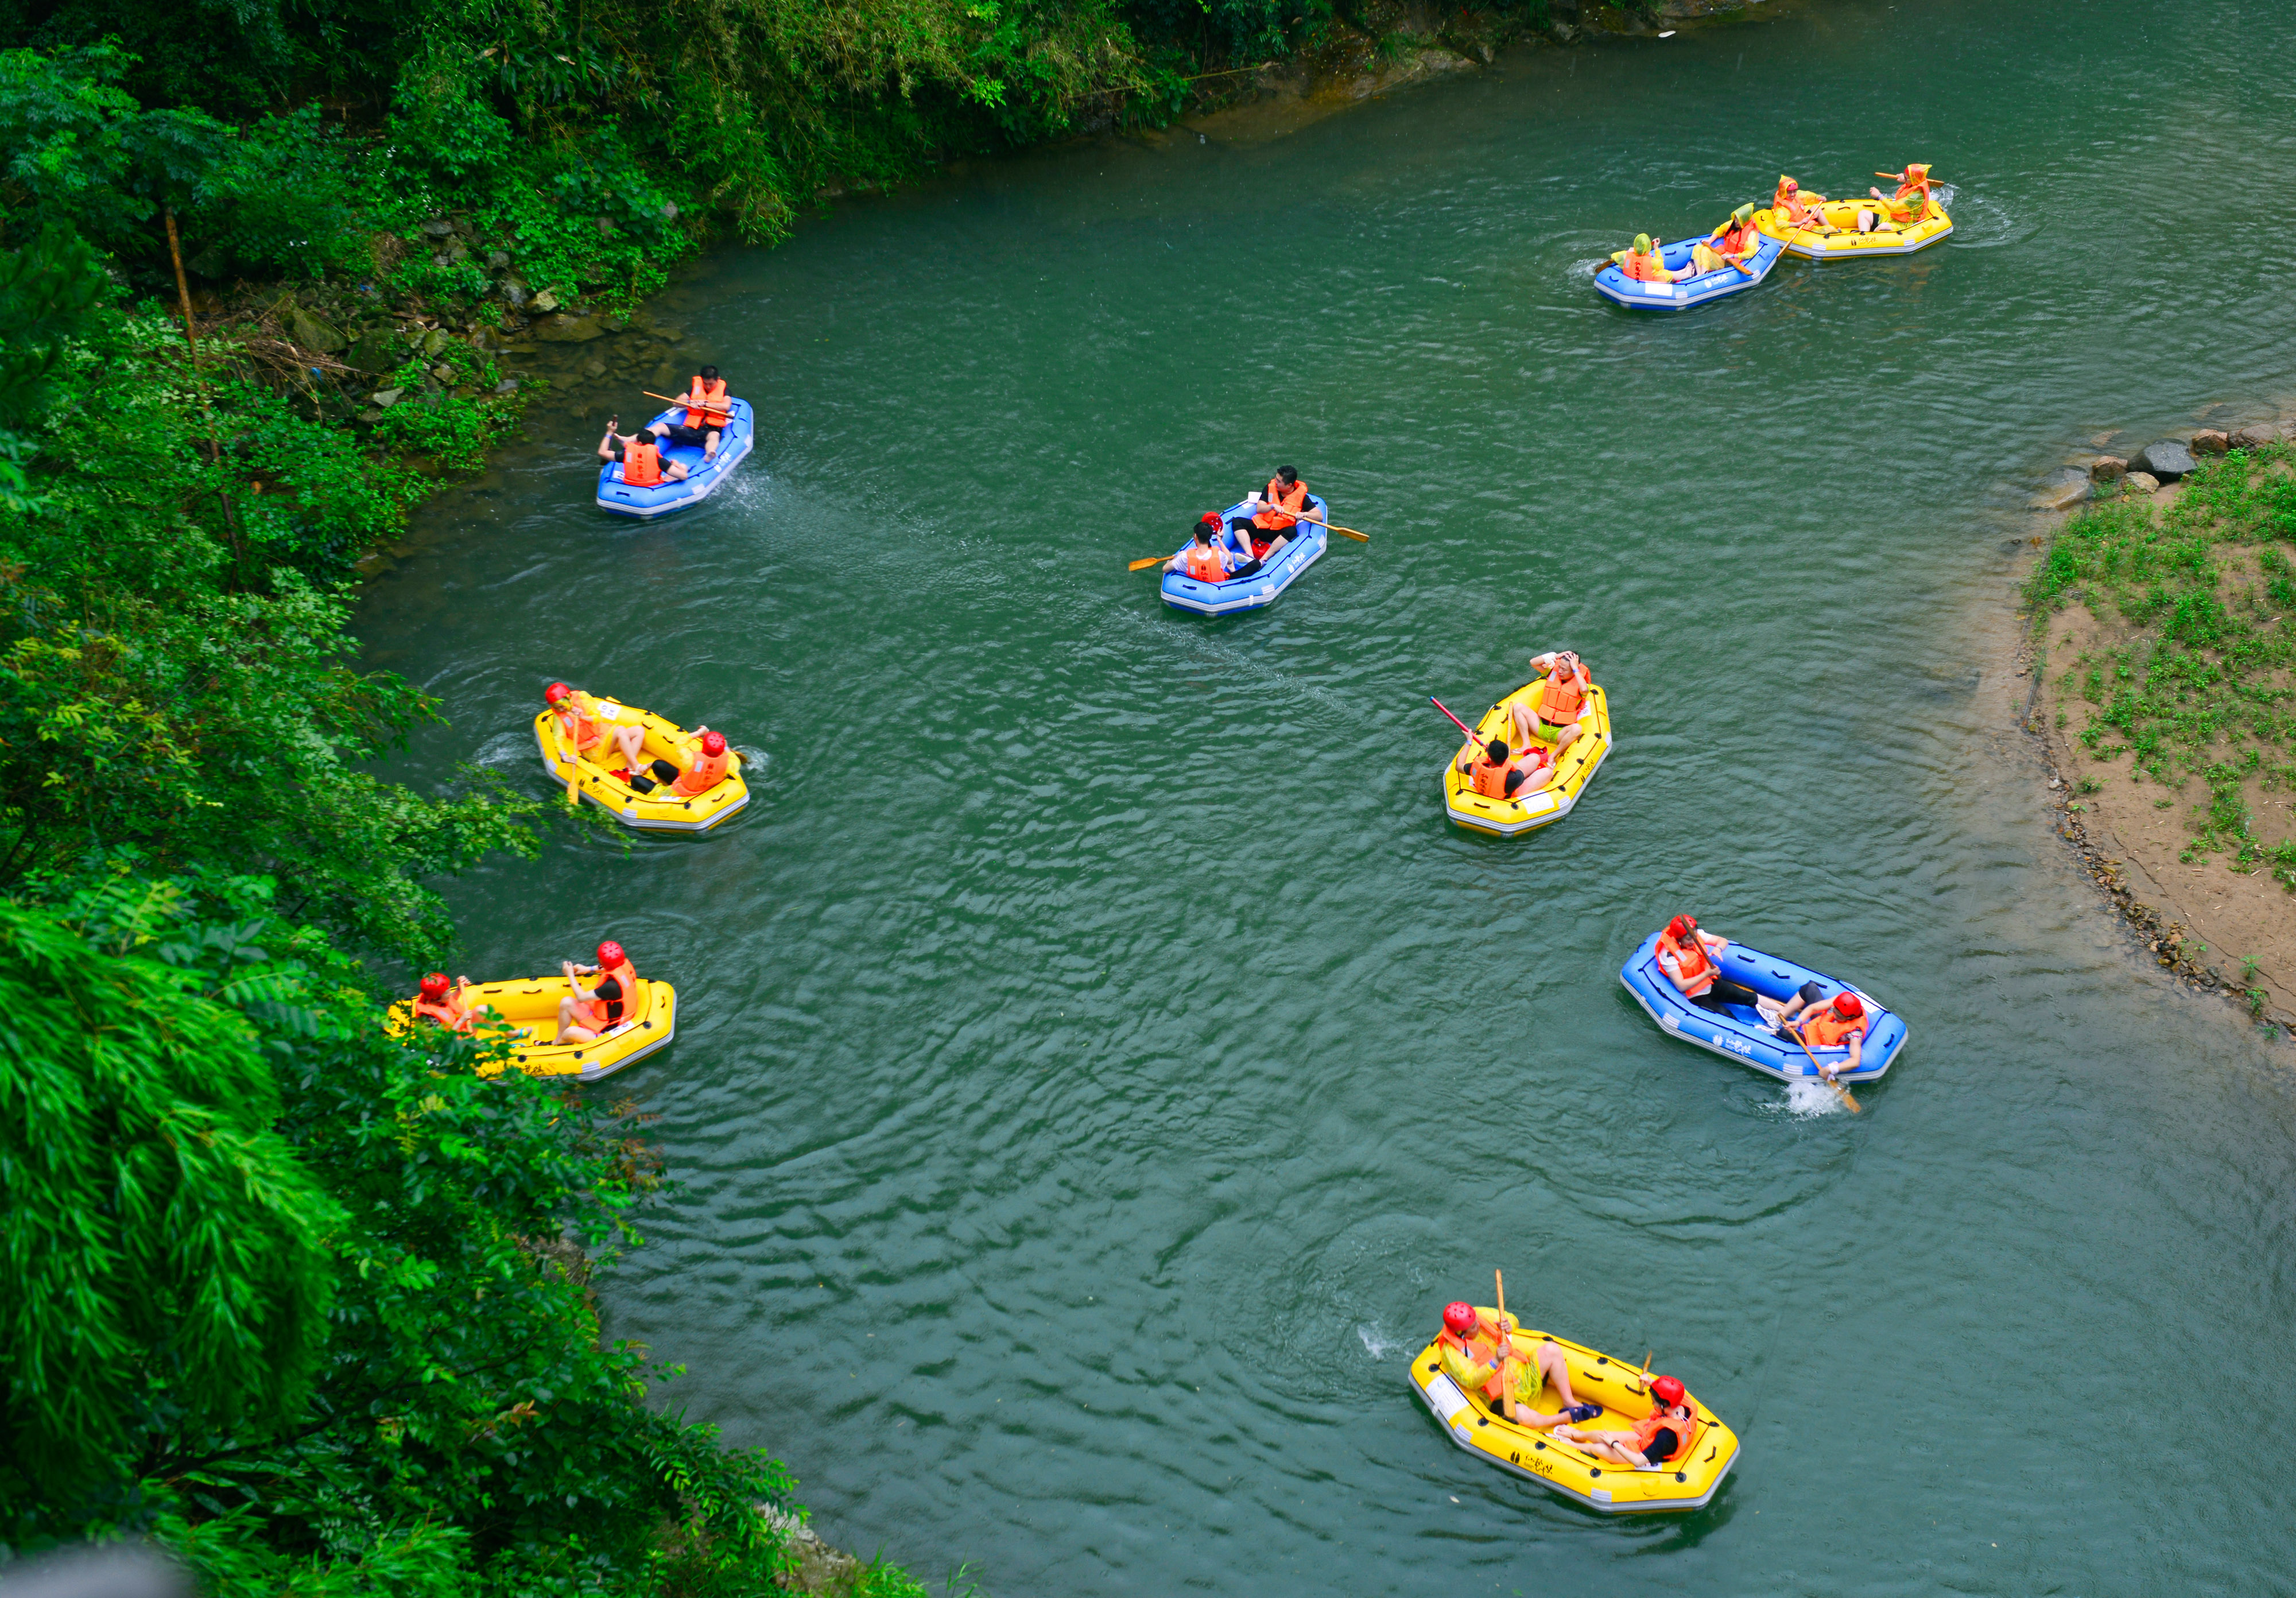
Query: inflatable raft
(1264, 586)
(1636, 295)
(1840, 241)
(1612, 1488)
(734, 441)
(1740, 1034)
(1504, 818)
(531, 1006)
(608, 785)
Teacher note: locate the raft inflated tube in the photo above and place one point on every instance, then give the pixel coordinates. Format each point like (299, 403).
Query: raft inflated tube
(529, 1005)
(1636, 295)
(1740, 1034)
(1264, 586)
(1563, 1467)
(1840, 240)
(1574, 768)
(661, 811)
(660, 499)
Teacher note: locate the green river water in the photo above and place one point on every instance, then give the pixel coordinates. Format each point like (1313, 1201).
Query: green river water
(1101, 1060)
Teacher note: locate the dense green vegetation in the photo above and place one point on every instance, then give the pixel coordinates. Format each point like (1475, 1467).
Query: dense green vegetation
(2191, 677)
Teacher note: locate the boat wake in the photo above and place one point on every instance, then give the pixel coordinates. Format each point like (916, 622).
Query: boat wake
(1805, 1099)
(1376, 1343)
(1983, 224)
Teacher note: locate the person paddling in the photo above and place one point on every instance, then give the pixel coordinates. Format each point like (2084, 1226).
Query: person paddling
(706, 765)
(1687, 957)
(640, 454)
(1793, 208)
(442, 1001)
(1268, 529)
(1666, 1435)
(1729, 245)
(1476, 1351)
(1911, 202)
(1841, 1024)
(595, 1010)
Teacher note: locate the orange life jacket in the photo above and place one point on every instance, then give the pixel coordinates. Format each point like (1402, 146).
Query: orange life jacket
(641, 464)
(1828, 1030)
(1490, 780)
(1202, 563)
(1559, 699)
(705, 403)
(1645, 268)
(1478, 1352)
(448, 1012)
(1686, 1431)
(1788, 204)
(1281, 501)
(1691, 962)
(705, 773)
(1736, 241)
(598, 1014)
(577, 722)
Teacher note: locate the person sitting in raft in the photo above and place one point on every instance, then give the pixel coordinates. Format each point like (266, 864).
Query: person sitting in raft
(1842, 1024)
(704, 769)
(1203, 560)
(1471, 1358)
(593, 1011)
(1687, 957)
(1911, 202)
(1491, 772)
(1553, 716)
(582, 726)
(1669, 1433)
(441, 1002)
(1269, 528)
(1729, 245)
(705, 417)
(1796, 208)
(1643, 263)
(640, 454)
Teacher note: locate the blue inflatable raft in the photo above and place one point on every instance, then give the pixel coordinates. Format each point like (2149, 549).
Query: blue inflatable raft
(700, 477)
(1263, 586)
(1638, 296)
(1740, 1034)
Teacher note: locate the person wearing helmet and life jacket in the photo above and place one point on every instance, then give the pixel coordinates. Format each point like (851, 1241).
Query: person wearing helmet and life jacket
(1911, 202)
(1494, 772)
(640, 453)
(1842, 1023)
(597, 1008)
(1469, 1349)
(442, 1001)
(1644, 262)
(1731, 245)
(585, 727)
(1555, 709)
(706, 765)
(1203, 560)
(1666, 1436)
(1796, 208)
(1687, 957)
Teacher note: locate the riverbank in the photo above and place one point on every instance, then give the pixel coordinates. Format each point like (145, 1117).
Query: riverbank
(2163, 624)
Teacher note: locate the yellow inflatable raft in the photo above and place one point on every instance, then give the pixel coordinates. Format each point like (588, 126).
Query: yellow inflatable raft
(1504, 818)
(1537, 1456)
(530, 1005)
(1840, 241)
(661, 810)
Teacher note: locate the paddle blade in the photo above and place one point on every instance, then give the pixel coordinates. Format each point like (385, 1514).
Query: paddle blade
(1847, 1098)
(1151, 561)
(1352, 533)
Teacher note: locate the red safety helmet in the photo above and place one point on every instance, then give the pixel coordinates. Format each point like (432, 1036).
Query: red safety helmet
(1846, 1006)
(1681, 927)
(1459, 1318)
(713, 743)
(1210, 519)
(1669, 1391)
(434, 985)
(609, 955)
(554, 692)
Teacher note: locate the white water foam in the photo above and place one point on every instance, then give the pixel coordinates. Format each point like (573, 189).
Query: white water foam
(1376, 1342)
(1805, 1097)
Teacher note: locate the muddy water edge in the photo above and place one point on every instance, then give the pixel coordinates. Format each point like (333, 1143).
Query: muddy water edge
(1101, 1062)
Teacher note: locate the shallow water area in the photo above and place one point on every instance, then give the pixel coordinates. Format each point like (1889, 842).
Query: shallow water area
(1099, 1061)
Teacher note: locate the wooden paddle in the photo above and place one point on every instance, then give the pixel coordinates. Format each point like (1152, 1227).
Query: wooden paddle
(1507, 1356)
(573, 766)
(1151, 561)
(1830, 1082)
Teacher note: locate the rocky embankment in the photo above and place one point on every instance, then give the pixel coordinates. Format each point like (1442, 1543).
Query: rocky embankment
(2194, 847)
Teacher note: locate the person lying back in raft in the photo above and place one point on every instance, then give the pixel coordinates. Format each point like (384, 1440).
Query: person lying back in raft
(1554, 713)
(1669, 1432)
(582, 726)
(1728, 245)
(1796, 208)
(1472, 1357)
(1203, 560)
(706, 761)
(1643, 263)
(1492, 771)
(596, 1010)
(441, 1002)
(1841, 1024)
(640, 454)
(1687, 957)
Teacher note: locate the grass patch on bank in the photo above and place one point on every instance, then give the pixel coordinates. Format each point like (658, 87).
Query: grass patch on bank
(2189, 674)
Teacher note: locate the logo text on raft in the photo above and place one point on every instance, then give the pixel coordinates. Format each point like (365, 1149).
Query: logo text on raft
(1736, 1046)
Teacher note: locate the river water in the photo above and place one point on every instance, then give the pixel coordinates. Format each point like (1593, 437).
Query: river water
(1101, 1061)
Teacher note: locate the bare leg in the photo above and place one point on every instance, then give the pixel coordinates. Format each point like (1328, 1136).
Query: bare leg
(632, 741)
(1562, 740)
(568, 1029)
(1556, 1368)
